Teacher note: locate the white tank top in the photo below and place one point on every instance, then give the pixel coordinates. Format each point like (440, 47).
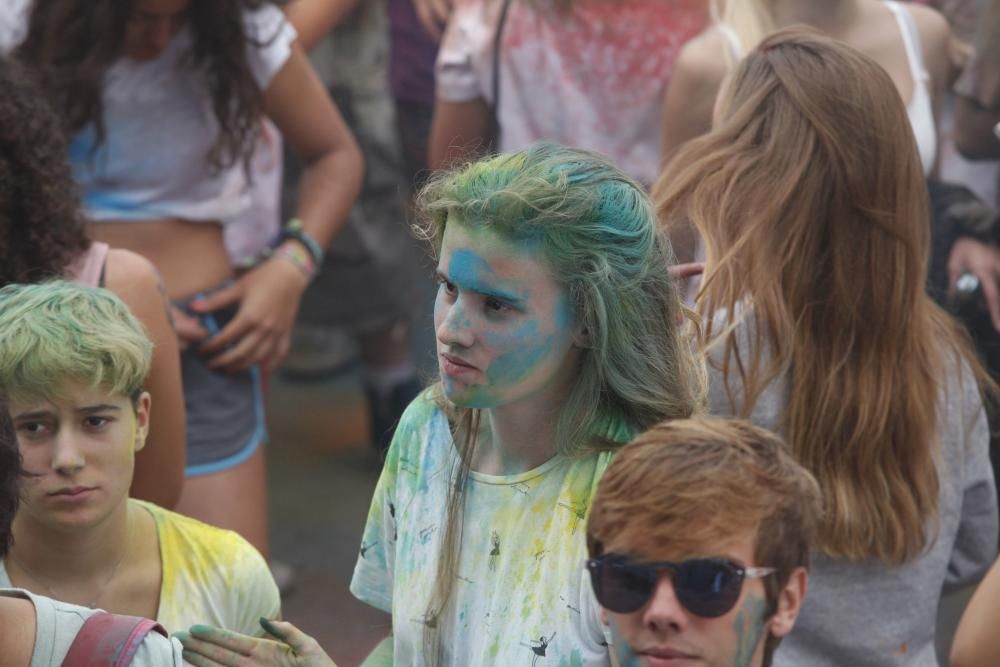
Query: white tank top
(920, 107)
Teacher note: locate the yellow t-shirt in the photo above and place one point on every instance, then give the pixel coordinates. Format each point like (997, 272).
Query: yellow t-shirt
(210, 576)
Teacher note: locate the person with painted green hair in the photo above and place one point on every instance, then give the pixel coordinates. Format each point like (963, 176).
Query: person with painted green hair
(559, 338)
(73, 364)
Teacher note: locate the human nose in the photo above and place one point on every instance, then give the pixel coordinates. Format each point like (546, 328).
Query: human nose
(454, 328)
(66, 454)
(664, 612)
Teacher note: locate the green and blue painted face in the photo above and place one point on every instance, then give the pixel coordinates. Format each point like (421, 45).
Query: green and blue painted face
(505, 328)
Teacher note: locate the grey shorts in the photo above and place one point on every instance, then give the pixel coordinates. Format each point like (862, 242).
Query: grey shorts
(225, 411)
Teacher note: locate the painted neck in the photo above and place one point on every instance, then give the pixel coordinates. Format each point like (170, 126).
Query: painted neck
(61, 557)
(828, 16)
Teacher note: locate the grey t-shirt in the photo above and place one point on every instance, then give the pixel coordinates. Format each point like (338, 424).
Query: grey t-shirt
(869, 614)
(56, 626)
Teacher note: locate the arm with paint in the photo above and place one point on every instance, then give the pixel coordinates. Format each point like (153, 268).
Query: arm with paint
(205, 646)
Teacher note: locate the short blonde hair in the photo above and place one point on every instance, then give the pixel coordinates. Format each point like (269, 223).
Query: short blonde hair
(56, 331)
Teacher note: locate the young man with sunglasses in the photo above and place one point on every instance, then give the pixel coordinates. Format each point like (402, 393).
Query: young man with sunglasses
(699, 539)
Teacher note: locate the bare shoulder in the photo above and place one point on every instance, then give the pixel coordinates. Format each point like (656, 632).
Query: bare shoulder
(131, 276)
(17, 641)
(935, 36)
(704, 61)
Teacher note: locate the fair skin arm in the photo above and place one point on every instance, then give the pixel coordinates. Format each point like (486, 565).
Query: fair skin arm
(312, 19)
(687, 112)
(269, 295)
(17, 618)
(458, 132)
(159, 468)
(977, 642)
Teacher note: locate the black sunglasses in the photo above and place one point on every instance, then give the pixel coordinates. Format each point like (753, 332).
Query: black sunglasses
(707, 587)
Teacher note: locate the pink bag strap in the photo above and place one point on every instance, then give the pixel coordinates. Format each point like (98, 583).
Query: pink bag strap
(109, 640)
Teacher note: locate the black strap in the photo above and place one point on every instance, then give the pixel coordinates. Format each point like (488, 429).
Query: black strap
(497, 47)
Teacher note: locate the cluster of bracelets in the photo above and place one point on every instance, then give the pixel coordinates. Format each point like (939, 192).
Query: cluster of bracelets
(306, 255)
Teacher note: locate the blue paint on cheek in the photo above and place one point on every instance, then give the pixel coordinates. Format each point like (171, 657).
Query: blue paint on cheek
(527, 350)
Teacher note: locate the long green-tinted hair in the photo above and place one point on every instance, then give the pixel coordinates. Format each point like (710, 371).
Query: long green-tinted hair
(598, 233)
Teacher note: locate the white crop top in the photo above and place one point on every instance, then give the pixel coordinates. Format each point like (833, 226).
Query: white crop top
(920, 108)
(160, 128)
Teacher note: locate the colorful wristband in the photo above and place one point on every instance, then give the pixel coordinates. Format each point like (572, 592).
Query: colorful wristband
(297, 256)
(295, 230)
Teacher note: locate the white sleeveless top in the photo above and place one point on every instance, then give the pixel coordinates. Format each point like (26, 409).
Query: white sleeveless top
(920, 108)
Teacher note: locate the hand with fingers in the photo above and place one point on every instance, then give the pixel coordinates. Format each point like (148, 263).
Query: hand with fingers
(260, 332)
(433, 14)
(206, 646)
(188, 329)
(982, 260)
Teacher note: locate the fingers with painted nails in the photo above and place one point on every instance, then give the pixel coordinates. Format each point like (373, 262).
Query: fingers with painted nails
(207, 646)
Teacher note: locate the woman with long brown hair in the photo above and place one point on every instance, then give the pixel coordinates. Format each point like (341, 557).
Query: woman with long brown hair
(809, 195)
(163, 101)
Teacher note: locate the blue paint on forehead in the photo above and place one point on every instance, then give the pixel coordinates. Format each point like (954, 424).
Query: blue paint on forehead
(469, 271)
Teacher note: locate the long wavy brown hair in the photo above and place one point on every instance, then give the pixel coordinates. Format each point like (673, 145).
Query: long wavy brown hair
(41, 231)
(812, 205)
(73, 44)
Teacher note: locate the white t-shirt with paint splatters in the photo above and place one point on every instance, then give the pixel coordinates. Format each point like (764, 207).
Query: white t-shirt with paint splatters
(521, 595)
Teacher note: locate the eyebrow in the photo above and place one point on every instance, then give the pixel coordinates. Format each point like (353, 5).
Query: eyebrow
(85, 410)
(486, 290)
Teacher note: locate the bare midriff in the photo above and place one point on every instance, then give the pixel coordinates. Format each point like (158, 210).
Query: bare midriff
(190, 256)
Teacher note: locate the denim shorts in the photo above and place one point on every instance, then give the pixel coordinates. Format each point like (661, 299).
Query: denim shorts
(225, 411)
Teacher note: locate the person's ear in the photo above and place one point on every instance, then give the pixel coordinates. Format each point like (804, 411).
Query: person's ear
(142, 409)
(789, 603)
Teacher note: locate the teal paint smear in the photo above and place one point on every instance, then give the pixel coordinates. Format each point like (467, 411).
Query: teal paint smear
(619, 647)
(574, 659)
(527, 347)
(469, 271)
(749, 628)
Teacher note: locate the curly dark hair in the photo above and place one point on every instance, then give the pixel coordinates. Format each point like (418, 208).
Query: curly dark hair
(73, 43)
(10, 478)
(41, 229)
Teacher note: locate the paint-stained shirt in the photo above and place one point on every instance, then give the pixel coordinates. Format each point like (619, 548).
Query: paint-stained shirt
(209, 575)
(58, 623)
(520, 596)
(594, 78)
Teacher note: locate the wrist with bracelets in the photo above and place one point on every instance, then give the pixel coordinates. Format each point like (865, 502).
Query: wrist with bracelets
(294, 230)
(307, 254)
(296, 255)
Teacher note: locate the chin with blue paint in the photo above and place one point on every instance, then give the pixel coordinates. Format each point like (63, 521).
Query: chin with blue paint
(505, 328)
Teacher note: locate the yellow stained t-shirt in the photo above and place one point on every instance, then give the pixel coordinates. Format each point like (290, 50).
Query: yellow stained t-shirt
(210, 576)
(520, 594)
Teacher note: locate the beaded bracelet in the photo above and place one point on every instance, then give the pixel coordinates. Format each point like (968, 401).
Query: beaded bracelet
(297, 256)
(295, 230)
